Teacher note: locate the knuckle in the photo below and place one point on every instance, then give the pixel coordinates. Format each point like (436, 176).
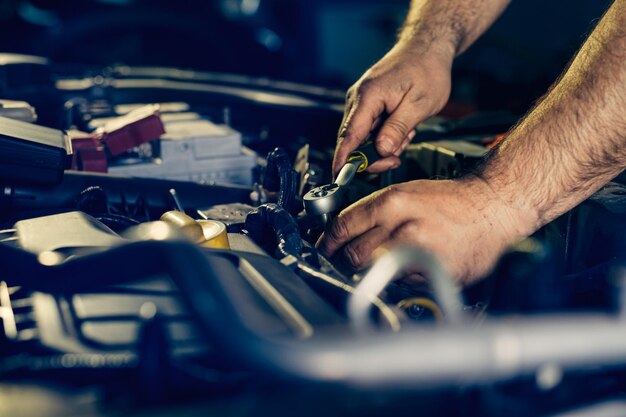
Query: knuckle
(364, 87)
(431, 104)
(398, 127)
(390, 199)
(352, 254)
(404, 85)
(419, 98)
(408, 232)
(339, 231)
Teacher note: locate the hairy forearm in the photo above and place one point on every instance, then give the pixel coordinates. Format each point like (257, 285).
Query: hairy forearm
(574, 140)
(449, 25)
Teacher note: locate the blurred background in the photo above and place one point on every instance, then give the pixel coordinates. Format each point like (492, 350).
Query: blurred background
(327, 42)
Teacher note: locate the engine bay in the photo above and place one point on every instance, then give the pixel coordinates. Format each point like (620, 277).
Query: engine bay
(157, 257)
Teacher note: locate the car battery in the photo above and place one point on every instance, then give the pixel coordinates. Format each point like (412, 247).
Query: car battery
(194, 149)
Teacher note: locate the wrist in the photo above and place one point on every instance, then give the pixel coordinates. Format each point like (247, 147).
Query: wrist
(424, 47)
(420, 35)
(512, 221)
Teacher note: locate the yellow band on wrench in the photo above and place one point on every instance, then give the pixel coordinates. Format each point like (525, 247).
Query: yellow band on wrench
(359, 155)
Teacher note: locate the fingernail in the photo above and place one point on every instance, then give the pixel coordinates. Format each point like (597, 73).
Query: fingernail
(342, 133)
(386, 145)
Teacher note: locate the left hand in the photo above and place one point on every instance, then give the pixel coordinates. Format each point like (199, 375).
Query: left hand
(462, 222)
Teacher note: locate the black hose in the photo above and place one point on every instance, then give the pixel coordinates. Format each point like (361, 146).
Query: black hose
(117, 222)
(280, 176)
(92, 200)
(272, 226)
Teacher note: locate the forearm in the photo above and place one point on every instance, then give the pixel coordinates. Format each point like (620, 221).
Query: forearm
(449, 25)
(574, 141)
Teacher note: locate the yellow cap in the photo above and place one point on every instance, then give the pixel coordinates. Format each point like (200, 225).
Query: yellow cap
(214, 234)
(186, 224)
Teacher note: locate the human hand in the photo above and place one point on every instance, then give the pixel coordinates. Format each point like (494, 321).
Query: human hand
(406, 86)
(462, 222)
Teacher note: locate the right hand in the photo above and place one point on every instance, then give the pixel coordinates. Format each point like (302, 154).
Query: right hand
(463, 222)
(405, 87)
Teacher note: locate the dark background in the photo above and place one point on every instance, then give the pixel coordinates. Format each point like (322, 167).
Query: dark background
(328, 42)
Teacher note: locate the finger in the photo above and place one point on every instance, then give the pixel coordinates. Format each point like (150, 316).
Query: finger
(402, 147)
(359, 252)
(398, 126)
(374, 126)
(376, 122)
(413, 278)
(407, 141)
(385, 164)
(352, 222)
(358, 125)
(373, 245)
(347, 111)
(341, 134)
(412, 233)
(391, 162)
(408, 232)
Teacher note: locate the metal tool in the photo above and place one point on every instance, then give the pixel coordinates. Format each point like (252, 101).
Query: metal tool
(328, 198)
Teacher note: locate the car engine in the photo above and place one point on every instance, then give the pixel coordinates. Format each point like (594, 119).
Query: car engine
(158, 256)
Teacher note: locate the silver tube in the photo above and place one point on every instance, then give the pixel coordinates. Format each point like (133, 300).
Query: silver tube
(387, 268)
(614, 408)
(429, 358)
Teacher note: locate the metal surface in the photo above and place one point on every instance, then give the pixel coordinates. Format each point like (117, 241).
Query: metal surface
(144, 194)
(419, 358)
(328, 198)
(616, 408)
(389, 267)
(298, 324)
(348, 172)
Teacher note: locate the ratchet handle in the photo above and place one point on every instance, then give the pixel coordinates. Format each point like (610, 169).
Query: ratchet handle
(367, 152)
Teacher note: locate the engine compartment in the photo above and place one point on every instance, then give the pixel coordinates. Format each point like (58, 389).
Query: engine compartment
(109, 308)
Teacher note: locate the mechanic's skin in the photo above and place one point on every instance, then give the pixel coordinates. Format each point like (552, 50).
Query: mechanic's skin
(565, 149)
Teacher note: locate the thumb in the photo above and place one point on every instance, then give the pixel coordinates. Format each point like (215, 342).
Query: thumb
(360, 121)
